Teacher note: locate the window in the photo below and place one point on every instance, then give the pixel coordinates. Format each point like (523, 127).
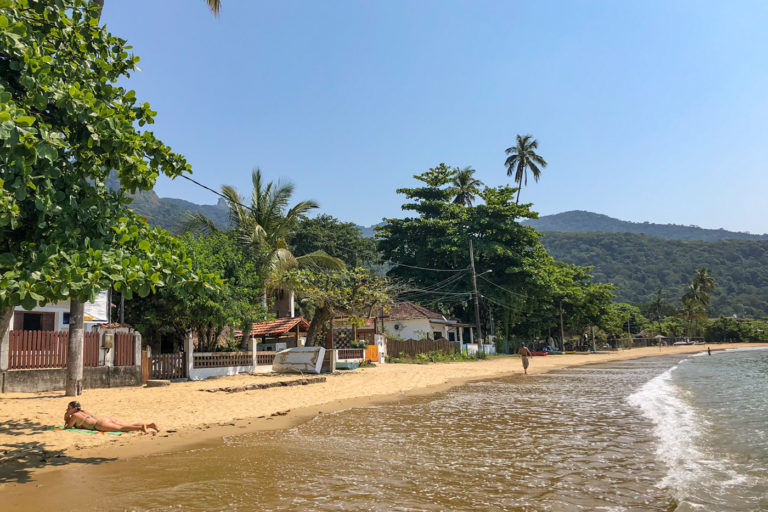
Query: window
(65, 319)
(437, 335)
(38, 321)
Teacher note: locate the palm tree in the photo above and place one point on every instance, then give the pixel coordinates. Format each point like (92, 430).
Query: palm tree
(263, 226)
(467, 186)
(702, 286)
(523, 156)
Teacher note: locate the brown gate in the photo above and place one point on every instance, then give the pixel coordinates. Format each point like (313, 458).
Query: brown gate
(167, 366)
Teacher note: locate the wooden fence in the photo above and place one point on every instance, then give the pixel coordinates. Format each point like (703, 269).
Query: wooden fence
(124, 350)
(91, 347)
(222, 359)
(168, 366)
(414, 347)
(30, 350)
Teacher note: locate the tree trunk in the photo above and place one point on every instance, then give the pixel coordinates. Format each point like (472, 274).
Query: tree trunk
(6, 315)
(74, 385)
(321, 315)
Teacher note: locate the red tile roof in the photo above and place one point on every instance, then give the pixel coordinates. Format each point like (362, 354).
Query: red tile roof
(409, 310)
(279, 326)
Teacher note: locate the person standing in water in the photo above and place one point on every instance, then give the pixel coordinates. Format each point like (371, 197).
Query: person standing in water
(524, 355)
(709, 351)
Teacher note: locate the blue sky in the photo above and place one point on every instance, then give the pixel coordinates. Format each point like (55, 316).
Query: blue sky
(646, 111)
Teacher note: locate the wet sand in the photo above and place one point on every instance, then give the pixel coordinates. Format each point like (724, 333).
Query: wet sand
(189, 415)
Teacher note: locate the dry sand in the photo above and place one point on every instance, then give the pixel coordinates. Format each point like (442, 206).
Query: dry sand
(188, 414)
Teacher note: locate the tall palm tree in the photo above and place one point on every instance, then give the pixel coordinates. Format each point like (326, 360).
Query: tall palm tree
(263, 226)
(467, 186)
(523, 156)
(702, 286)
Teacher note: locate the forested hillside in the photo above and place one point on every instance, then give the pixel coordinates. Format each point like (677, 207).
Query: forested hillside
(639, 265)
(578, 221)
(170, 213)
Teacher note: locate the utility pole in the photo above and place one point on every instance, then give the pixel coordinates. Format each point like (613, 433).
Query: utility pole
(474, 292)
(562, 331)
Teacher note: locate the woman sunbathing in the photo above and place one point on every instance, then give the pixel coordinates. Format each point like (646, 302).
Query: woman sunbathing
(78, 418)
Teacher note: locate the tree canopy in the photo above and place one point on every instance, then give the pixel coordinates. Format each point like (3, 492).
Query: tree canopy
(525, 286)
(66, 122)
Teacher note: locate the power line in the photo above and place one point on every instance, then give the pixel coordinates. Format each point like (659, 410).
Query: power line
(425, 268)
(501, 287)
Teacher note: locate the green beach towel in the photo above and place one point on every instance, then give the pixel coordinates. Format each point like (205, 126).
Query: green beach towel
(60, 428)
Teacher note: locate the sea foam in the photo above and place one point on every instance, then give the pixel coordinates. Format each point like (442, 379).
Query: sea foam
(677, 426)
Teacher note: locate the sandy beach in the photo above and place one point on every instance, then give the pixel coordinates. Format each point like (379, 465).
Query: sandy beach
(188, 413)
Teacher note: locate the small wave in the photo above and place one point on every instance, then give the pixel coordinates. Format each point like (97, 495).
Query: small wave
(677, 426)
(682, 447)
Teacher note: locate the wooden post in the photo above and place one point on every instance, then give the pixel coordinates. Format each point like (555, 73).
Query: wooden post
(562, 331)
(74, 385)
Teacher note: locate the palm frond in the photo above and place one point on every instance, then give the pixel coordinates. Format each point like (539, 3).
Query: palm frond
(321, 260)
(214, 6)
(197, 223)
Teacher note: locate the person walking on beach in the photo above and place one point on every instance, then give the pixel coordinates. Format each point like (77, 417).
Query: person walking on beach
(524, 355)
(78, 418)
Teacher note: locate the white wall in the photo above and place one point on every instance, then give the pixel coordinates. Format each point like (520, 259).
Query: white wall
(409, 329)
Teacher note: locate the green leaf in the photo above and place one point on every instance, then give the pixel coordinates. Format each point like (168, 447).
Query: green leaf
(28, 303)
(25, 120)
(47, 151)
(144, 245)
(3, 22)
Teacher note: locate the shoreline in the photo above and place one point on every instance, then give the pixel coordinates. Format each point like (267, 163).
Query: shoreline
(191, 417)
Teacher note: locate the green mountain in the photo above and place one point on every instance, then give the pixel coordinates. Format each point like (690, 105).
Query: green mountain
(170, 213)
(639, 265)
(579, 221)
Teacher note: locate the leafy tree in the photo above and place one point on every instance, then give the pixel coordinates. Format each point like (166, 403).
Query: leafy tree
(351, 292)
(467, 186)
(64, 124)
(212, 313)
(339, 239)
(431, 255)
(523, 156)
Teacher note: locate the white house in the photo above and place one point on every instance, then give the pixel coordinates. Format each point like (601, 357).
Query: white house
(55, 317)
(410, 321)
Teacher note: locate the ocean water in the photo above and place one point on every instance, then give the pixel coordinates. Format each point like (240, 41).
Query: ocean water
(711, 419)
(656, 434)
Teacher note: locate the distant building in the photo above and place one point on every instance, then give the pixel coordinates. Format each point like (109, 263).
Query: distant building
(408, 320)
(55, 317)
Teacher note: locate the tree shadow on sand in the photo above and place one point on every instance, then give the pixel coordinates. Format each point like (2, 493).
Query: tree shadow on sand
(19, 460)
